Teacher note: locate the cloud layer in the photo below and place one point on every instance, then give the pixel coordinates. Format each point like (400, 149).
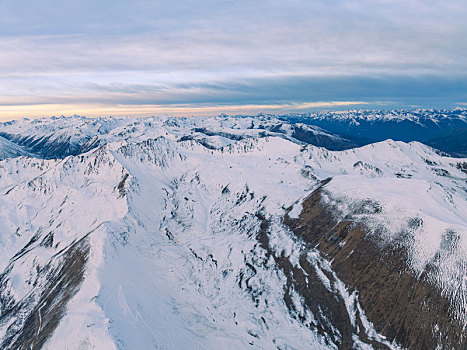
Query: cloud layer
(216, 56)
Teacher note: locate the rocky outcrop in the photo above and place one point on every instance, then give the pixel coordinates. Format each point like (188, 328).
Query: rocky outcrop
(33, 320)
(332, 319)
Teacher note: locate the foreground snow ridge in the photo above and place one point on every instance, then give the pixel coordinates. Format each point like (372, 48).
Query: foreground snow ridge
(171, 233)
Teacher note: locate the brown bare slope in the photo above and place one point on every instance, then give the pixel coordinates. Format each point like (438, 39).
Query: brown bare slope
(402, 306)
(63, 282)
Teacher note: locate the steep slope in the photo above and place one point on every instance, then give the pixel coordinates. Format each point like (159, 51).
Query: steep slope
(169, 242)
(454, 142)
(9, 149)
(365, 127)
(399, 243)
(47, 226)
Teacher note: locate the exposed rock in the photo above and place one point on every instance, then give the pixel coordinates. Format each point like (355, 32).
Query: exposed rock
(31, 330)
(405, 308)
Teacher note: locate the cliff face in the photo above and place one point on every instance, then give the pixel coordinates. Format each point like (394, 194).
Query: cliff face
(405, 307)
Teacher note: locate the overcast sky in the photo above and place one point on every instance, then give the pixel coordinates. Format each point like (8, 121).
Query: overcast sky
(208, 57)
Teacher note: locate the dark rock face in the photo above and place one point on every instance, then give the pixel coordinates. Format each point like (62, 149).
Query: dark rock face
(48, 147)
(32, 326)
(332, 319)
(405, 308)
(218, 133)
(321, 139)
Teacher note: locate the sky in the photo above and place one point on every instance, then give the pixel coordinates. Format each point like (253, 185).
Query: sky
(205, 57)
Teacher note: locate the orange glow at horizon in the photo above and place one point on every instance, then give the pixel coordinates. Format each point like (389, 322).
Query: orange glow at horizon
(10, 112)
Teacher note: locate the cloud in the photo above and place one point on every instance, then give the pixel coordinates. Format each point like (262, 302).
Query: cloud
(261, 89)
(232, 53)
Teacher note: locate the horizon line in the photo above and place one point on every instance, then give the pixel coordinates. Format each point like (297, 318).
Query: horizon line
(36, 111)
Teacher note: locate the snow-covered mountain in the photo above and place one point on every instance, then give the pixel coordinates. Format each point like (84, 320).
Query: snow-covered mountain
(64, 136)
(195, 233)
(10, 149)
(443, 129)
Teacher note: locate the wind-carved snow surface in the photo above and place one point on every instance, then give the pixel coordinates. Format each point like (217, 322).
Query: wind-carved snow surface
(174, 219)
(412, 197)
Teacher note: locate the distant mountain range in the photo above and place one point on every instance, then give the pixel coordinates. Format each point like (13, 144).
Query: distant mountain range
(445, 130)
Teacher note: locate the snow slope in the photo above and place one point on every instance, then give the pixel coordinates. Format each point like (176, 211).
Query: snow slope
(182, 240)
(9, 149)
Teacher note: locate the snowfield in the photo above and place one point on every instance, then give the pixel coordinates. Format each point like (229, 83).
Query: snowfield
(168, 215)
